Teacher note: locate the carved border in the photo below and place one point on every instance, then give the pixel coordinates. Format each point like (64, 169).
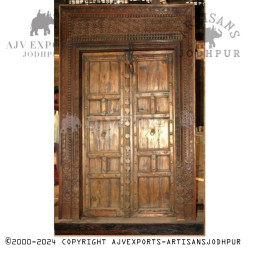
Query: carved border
(70, 156)
(127, 37)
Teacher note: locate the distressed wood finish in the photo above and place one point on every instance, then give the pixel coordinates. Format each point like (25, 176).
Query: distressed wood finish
(102, 170)
(153, 183)
(127, 150)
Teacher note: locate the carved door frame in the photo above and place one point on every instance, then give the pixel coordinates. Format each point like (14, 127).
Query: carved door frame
(114, 28)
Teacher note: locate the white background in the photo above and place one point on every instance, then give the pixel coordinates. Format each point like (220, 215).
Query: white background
(26, 139)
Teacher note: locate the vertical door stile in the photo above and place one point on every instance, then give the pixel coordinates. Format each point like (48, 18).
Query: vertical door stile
(172, 128)
(122, 151)
(85, 78)
(83, 134)
(126, 125)
(131, 135)
(87, 131)
(133, 107)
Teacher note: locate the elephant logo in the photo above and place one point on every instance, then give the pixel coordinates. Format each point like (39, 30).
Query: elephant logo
(70, 122)
(41, 21)
(211, 34)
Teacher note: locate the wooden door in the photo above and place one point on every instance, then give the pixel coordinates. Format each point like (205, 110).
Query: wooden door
(117, 127)
(153, 140)
(103, 135)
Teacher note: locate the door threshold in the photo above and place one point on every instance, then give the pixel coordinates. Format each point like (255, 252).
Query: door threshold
(132, 220)
(129, 226)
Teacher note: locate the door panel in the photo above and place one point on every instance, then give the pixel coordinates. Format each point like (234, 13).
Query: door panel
(153, 183)
(105, 193)
(103, 76)
(152, 81)
(154, 192)
(153, 134)
(102, 134)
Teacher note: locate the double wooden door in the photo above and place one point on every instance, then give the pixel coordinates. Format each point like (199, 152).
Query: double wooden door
(128, 156)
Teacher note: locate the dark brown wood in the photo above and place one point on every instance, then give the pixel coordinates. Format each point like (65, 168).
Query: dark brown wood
(56, 175)
(129, 229)
(127, 109)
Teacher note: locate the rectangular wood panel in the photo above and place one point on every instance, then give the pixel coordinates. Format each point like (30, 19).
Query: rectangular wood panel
(104, 77)
(104, 136)
(153, 134)
(104, 193)
(152, 81)
(154, 193)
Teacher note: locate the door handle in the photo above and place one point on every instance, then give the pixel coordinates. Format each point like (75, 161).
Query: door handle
(152, 132)
(103, 134)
